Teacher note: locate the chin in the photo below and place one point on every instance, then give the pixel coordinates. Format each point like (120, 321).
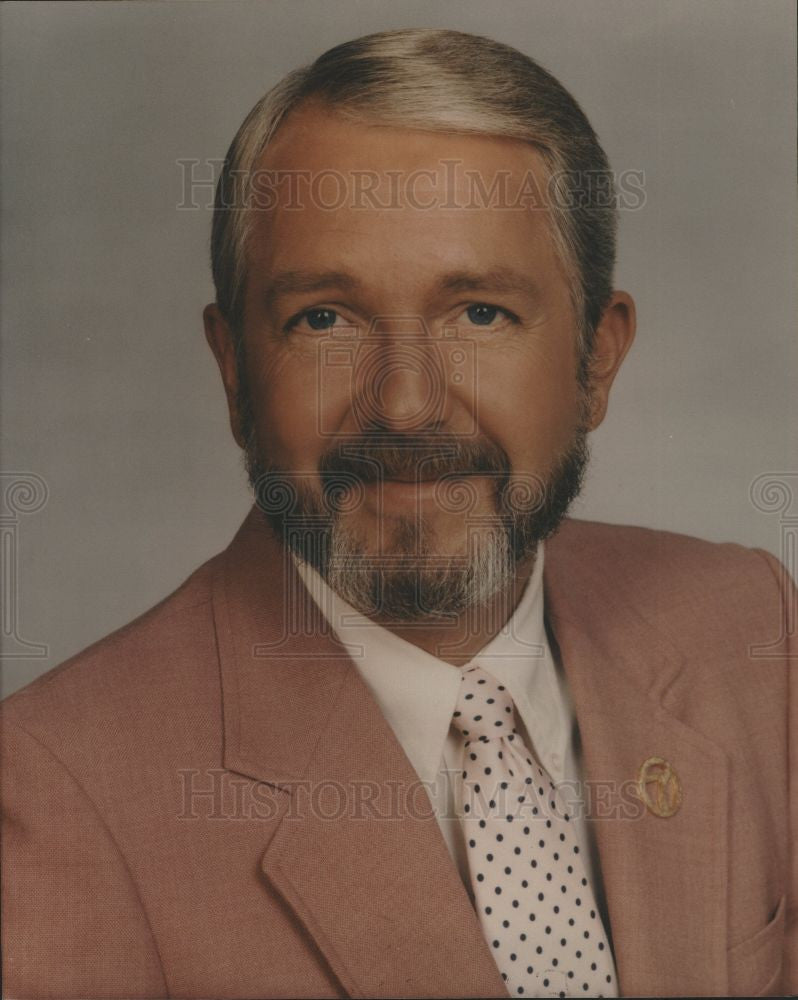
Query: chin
(410, 535)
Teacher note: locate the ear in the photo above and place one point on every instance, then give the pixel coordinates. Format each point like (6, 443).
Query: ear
(222, 342)
(612, 339)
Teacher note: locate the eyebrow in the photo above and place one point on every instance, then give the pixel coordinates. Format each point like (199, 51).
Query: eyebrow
(496, 279)
(294, 282)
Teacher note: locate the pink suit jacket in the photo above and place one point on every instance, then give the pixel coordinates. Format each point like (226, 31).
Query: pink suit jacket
(209, 803)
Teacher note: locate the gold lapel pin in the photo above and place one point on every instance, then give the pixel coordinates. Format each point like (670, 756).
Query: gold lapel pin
(657, 776)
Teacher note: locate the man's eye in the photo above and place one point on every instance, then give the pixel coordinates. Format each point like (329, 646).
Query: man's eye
(482, 314)
(315, 319)
(320, 319)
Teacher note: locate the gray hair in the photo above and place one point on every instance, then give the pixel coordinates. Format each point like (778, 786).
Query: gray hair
(438, 81)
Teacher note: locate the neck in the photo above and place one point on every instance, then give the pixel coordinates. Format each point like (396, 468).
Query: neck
(458, 640)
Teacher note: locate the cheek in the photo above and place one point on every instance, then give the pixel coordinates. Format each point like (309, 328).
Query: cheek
(283, 403)
(530, 405)
(299, 401)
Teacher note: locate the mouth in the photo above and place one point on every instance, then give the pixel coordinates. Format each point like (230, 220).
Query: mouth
(398, 479)
(395, 490)
(402, 491)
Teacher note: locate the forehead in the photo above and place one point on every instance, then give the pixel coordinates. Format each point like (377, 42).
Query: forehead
(379, 198)
(312, 135)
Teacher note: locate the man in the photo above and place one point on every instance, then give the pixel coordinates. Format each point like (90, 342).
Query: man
(414, 733)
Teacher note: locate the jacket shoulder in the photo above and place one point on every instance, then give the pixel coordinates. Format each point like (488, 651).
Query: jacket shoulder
(667, 575)
(642, 550)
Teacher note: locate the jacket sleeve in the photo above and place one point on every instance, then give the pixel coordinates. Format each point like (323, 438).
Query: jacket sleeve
(73, 924)
(789, 640)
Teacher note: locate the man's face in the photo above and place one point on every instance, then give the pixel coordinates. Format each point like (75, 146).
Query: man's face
(411, 371)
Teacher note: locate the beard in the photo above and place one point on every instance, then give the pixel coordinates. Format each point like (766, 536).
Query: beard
(413, 581)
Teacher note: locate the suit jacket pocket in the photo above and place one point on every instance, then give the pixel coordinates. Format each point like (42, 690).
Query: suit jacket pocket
(755, 964)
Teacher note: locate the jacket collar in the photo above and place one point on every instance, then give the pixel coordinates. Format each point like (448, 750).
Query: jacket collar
(298, 716)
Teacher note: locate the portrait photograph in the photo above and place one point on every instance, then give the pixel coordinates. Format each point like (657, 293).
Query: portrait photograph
(399, 406)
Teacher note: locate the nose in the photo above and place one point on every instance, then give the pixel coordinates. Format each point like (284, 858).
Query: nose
(401, 379)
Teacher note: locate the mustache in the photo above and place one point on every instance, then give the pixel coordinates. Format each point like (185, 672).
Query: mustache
(413, 458)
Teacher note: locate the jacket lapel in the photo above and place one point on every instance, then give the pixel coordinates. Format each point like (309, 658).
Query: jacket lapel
(665, 877)
(358, 854)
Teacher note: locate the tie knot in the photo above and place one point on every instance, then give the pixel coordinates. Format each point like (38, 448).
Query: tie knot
(485, 710)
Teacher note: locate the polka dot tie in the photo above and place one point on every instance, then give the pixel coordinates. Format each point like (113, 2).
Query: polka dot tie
(531, 890)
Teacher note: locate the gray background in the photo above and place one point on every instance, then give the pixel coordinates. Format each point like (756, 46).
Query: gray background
(110, 394)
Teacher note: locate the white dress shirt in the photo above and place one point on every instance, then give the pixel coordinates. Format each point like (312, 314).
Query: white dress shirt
(417, 693)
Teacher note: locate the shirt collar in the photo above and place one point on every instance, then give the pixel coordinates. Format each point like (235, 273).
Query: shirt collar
(519, 657)
(416, 691)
